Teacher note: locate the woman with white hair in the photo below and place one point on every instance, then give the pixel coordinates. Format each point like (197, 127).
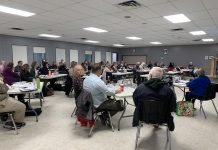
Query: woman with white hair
(142, 66)
(158, 90)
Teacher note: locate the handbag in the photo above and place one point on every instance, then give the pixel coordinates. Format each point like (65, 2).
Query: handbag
(184, 108)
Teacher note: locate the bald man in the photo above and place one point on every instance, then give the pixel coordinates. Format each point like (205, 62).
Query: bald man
(77, 80)
(155, 89)
(198, 86)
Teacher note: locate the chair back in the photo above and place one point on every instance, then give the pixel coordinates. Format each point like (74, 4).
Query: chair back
(153, 111)
(210, 92)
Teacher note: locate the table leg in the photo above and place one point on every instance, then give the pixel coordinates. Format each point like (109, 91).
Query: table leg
(125, 105)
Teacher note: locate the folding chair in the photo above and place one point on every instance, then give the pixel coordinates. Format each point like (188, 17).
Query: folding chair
(10, 114)
(210, 94)
(152, 112)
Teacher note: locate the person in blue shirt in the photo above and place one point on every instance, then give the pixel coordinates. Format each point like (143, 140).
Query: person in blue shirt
(100, 91)
(198, 86)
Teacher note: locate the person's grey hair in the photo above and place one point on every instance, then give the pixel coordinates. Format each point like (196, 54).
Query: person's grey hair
(156, 72)
(201, 72)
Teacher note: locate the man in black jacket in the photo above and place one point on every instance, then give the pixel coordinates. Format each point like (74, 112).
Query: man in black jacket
(154, 89)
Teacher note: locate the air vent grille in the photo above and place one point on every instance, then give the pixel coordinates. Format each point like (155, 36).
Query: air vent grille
(129, 4)
(177, 29)
(19, 29)
(196, 40)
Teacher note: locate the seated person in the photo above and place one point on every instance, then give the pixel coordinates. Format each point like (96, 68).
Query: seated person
(44, 69)
(25, 74)
(154, 89)
(18, 68)
(77, 80)
(9, 76)
(9, 104)
(62, 69)
(149, 65)
(171, 67)
(197, 87)
(105, 75)
(100, 91)
(192, 68)
(142, 66)
(33, 70)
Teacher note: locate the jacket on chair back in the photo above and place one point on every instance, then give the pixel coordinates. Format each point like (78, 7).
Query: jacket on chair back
(84, 104)
(153, 89)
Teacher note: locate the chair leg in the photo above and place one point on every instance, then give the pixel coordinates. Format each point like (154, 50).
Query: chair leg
(110, 120)
(74, 110)
(15, 127)
(214, 107)
(90, 132)
(201, 107)
(137, 135)
(91, 129)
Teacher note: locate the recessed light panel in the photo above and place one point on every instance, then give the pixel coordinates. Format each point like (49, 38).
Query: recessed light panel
(207, 40)
(93, 29)
(49, 35)
(156, 43)
(133, 38)
(14, 11)
(118, 45)
(178, 18)
(197, 33)
(90, 41)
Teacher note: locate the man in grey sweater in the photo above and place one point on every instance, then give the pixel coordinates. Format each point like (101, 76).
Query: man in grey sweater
(9, 104)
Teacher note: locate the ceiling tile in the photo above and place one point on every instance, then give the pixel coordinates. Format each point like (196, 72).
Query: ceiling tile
(210, 4)
(164, 9)
(189, 5)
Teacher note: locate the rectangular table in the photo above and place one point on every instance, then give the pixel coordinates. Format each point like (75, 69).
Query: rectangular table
(22, 88)
(46, 77)
(128, 92)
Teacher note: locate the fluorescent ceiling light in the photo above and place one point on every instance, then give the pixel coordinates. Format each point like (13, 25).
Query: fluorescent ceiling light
(49, 35)
(156, 43)
(197, 33)
(15, 11)
(93, 29)
(118, 45)
(207, 40)
(178, 18)
(90, 41)
(133, 38)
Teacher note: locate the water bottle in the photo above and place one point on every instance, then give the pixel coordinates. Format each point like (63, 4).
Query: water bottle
(38, 83)
(34, 83)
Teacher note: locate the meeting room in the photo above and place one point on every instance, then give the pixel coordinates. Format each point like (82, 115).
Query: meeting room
(108, 74)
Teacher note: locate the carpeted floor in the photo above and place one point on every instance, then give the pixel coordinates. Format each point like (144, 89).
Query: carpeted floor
(56, 131)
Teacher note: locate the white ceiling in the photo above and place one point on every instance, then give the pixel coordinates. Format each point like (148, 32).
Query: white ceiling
(68, 17)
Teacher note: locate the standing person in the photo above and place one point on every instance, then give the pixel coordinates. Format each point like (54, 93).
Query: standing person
(100, 91)
(155, 89)
(9, 104)
(197, 86)
(18, 68)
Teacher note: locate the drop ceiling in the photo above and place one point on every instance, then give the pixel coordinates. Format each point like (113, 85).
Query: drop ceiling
(68, 18)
